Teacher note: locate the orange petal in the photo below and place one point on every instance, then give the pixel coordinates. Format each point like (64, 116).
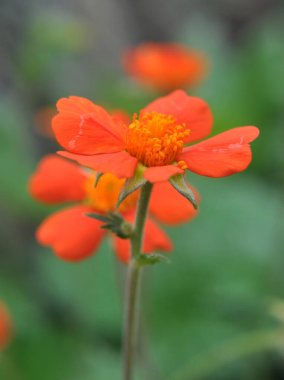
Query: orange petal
(222, 155)
(169, 206)
(122, 249)
(5, 326)
(121, 164)
(155, 239)
(83, 127)
(71, 234)
(191, 111)
(161, 173)
(57, 180)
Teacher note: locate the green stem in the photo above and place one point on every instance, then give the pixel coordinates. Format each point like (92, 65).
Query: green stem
(236, 349)
(133, 283)
(137, 238)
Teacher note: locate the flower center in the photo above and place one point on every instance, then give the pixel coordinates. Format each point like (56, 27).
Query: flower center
(105, 195)
(155, 139)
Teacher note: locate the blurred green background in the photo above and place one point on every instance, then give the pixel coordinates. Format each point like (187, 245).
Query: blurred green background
(225, 281)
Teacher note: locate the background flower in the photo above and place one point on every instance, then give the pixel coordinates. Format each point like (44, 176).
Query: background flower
(5, 326)
(165, 66)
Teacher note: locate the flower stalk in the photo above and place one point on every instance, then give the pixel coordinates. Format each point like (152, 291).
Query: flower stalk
(133, 284)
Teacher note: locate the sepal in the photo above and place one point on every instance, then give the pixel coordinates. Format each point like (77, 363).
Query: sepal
(132, 184)
(178, 182)
(152, 259)
(114, 222)
(98, 177)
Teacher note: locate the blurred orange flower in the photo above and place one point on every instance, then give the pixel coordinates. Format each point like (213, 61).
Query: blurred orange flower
(5, 326)
(75, 236)
(42, 119)
(120, 116)
(156, 139)
(165, 66)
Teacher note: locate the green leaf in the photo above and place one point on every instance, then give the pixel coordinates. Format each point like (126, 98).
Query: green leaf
(178, 182)
(100, 217)
(132, 184)
(114, 222)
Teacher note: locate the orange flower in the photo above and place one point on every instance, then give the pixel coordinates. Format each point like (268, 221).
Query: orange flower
(43, 119)
(5, 326)
(120, 116)
(157, 139)
(165, 66)
(75, 236)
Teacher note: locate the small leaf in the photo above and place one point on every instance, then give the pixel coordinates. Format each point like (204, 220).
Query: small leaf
(152, 259)
(178, 182)
(115, 223)
(100, 217)
(132, 184)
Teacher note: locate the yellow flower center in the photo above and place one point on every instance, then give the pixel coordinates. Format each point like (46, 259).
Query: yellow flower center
(155, 139)
(105, 195)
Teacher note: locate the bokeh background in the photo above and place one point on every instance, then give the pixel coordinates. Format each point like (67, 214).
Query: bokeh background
(211, 308)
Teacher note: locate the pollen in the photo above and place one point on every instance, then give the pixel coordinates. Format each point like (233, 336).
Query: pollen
(155, 139)
(104, 196)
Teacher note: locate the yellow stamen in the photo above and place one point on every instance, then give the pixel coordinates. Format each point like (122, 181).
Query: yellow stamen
(182, 165)
(104, 196)
(155, 139)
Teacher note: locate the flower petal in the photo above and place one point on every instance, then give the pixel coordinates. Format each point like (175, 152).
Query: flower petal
(222, 155)
(155, 239)
(161, 173)
(188, 110)
(122, 249)
(57, 180)
(121, 164)
(83, 127)
(170, 207)
(70, 233)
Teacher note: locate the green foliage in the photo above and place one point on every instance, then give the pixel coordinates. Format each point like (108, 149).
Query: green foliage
(50, 37)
